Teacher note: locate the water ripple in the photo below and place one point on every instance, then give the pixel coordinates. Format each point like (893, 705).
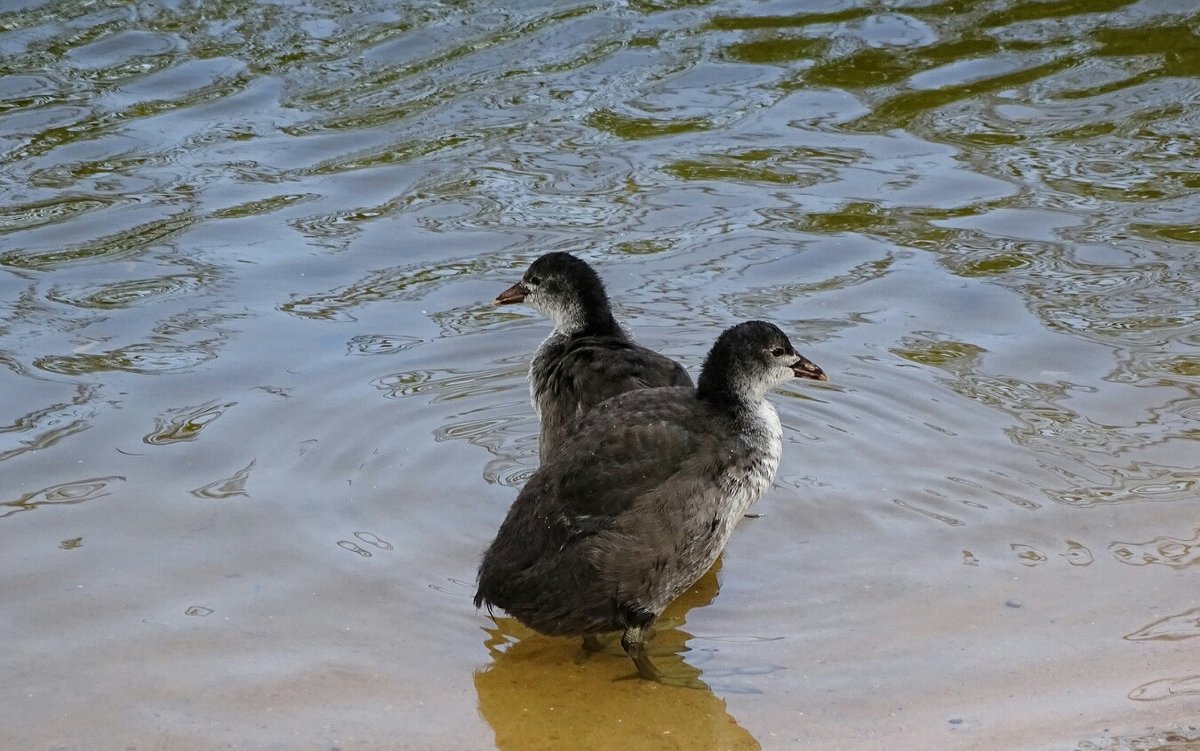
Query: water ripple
(184, 423)
(986, 211)
(66, 493)
(1166, 688)
(226, 487)
(61, 208)
(1185, 625)
(381, 344)
(120, 245)
(400, 283)
(1163, 551)
(49, 424)
(131, 292)
(445, 385)
(135, 358)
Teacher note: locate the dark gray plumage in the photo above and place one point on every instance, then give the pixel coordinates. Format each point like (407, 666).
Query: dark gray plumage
(641, 498)
(588, 357)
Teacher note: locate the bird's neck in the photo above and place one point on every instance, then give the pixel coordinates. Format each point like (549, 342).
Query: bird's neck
(724, 381)
(576, 320)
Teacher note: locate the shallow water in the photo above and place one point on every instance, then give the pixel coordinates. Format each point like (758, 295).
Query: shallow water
(259, 419)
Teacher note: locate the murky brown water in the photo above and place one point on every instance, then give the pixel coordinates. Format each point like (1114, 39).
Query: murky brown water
(258, 420)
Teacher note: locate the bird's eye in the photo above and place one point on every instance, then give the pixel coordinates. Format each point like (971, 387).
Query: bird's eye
(778, 352)
(533, 280)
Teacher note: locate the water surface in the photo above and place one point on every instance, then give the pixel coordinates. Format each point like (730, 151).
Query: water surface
(259, 420)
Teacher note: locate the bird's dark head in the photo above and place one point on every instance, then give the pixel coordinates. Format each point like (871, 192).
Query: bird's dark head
(749, 359)
(566, 290)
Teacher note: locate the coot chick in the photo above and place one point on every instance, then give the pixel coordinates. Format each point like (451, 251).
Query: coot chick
(641, 498)
(588, 357)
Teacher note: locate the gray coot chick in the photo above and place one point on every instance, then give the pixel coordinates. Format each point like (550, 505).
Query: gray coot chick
(588, 357)
(640, 500)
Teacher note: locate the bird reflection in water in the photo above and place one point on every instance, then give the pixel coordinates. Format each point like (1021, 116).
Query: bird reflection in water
(544, 692)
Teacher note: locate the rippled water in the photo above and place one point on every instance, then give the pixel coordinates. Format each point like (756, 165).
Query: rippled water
(259, 420)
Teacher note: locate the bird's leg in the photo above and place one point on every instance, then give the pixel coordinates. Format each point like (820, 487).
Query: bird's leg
(592, 644)
(634, 642)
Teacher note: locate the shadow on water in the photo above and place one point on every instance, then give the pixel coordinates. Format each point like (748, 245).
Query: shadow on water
(543, 692)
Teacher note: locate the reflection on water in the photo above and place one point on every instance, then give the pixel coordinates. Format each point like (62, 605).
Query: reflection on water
(247, 255)
(541, 692)
(62, 493)
(1166, 551)
(1077, 554)
(370, 538)
(48, 424)
(405, 283)
(1167, 688)
(184, 423)
(226, 487)
(1181, 626)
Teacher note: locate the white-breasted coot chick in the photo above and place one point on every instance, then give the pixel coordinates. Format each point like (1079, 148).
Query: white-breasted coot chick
(641, 498)
(588, 357)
